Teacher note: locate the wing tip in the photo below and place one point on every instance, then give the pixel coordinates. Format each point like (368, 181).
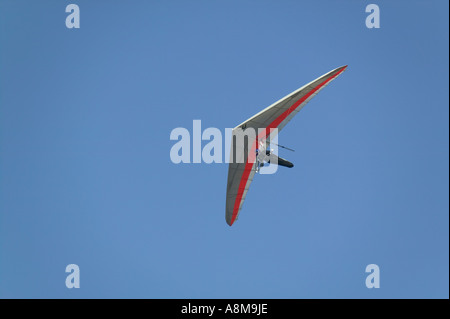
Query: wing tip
(231, 221)
(339, 70)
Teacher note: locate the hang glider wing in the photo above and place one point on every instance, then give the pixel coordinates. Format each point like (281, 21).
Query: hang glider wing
(241, 172)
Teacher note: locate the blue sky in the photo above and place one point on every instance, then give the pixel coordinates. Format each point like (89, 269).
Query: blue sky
(86, 176)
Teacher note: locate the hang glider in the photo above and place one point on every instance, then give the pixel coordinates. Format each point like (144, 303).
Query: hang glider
(253, 150)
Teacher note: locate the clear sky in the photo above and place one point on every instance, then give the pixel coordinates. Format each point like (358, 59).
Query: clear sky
(86, 177)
